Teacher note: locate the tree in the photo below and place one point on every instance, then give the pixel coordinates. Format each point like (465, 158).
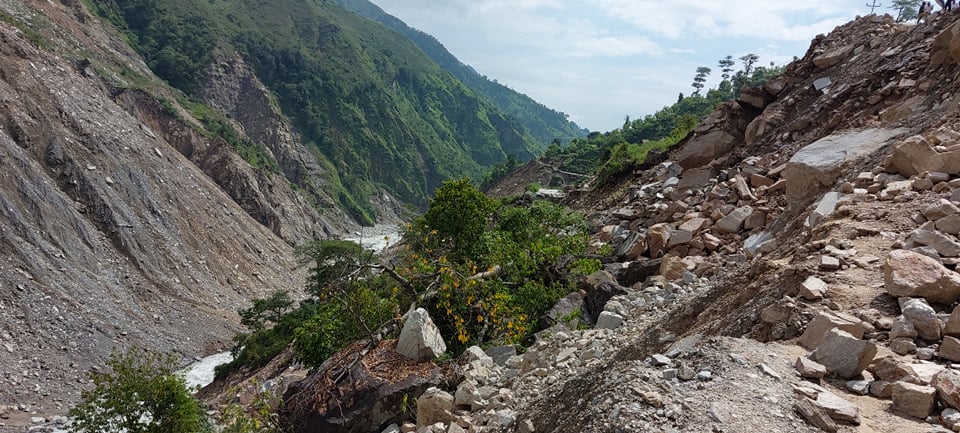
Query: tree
(906, 9)
(699, 81)
(456, 219)
(726, 66)
(142, 394)
(748, 62)
(266, 310)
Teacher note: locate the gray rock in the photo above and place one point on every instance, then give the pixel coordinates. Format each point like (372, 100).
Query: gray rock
(420, 338)
(838, 408)
(945, 245)
(825, 207)
(861, 387)
(903, 328)
(809, 368)
(824, 321)
(820, 164)
(829, 263)
(949, 224)
(939, 209)
(910, 274)
(903, 346)
(913, 400)
(733, 222)
(843, 354)
(608, 320)
(500, 354)
(435, 405)
(813, 289)
(950, 349)
(923, 317)
(659, 360)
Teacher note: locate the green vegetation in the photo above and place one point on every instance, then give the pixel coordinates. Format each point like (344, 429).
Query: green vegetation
(141, 394)
(617, 152)
(379, 112)
(486, 270)
(543, 123)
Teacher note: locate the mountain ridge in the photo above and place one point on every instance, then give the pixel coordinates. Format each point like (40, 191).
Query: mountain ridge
(544, 123)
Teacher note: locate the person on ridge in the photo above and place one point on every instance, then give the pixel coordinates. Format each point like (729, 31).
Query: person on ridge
(948, 5)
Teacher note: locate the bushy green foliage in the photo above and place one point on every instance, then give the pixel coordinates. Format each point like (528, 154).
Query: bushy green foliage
(498, 276)
(258, 417)
(141, 394)
(456, 220)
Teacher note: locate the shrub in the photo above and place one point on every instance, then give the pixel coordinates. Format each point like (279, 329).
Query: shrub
(141, 394)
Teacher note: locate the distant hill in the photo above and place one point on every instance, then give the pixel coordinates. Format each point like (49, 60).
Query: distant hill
(379, 113)
(542, 122)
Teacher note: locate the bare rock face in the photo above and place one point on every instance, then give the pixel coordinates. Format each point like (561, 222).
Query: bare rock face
(907, 273)
(420, 338)
(821, 163)
(109, 236)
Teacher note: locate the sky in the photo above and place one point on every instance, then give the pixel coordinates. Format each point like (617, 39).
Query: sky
(601, 60)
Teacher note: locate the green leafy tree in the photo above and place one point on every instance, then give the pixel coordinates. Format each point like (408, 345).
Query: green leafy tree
(266, 310)
(456, 219)
(141, 394)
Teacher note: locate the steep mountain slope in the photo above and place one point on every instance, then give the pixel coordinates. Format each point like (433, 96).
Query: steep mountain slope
(542, 122)
(378, 113)
(109, 234)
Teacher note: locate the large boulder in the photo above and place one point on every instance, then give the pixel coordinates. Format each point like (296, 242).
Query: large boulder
(843, 354)
(824, 321)
(946, 46)
(420, 338)
(701, 149)
(911, 274)
(916, 155)
(367, 394)
(820, 164)
(600, 287)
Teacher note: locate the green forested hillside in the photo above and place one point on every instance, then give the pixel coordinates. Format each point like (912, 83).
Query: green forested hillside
(378, 110)
(542, 122)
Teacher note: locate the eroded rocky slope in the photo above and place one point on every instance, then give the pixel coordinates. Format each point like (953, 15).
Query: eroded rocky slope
(117, 224)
